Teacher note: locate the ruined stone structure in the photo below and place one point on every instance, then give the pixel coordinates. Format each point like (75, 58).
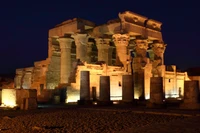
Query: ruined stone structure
(129, 45)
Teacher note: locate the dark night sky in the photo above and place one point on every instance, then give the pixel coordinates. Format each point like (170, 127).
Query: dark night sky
(24, 26)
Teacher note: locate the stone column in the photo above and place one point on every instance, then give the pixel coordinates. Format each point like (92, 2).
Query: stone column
(156, 92)
(139, 63)
(127, 88)
(104, 97)
(19, 78)
(110, 53)
(121, 42)
(26, 84)
(191, 95)
(158, 51)
(65, 66)
(85, 85)
(81, 41)
(103, 46)
(89, 51)
(140, 60)
(139, 85)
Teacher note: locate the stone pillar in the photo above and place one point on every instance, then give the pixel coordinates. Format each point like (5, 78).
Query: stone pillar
(65, 66)
(127, 88)
(81, 41)
(110, 53)
(94, 93)
(89, 51)
(121, 42)
(139, 85)
(156, 92)
(191, 95)
(158, 52)
(139, 63)
(103, 46)
(104, 97)
(18, 78)
(85, 85)
(27, 80)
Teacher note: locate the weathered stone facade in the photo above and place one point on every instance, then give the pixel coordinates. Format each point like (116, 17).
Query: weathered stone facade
(129, 45)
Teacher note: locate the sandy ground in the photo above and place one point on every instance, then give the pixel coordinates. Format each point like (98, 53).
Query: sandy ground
(82, 119)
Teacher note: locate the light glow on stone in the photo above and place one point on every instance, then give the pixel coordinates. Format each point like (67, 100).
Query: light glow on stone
(9, 98)
(72, 98)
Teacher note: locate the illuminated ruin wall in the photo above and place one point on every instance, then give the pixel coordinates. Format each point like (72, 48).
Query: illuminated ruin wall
(129, 44)
(96, 71)
(173, 82)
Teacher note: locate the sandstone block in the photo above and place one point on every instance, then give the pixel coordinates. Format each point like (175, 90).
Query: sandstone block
(31, 103)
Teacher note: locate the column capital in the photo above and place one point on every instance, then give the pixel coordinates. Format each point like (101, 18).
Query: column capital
(65, 42)
(141, 44)
(158, 48)
(90, 44)
(102, 42)
(121, 39)
(80, 39)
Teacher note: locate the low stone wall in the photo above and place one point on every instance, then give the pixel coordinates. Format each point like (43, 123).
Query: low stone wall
(22, 94)
(46, 96)
(9, 97)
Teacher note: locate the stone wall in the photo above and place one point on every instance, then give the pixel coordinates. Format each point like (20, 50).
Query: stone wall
(53, 73)
(39, 75)
(96, 71)
(25, 93)
(195, 78)
(9, 97)
(142, 36)
(174, 84)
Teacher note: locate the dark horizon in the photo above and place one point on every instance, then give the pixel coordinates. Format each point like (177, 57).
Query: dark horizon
(24, 27)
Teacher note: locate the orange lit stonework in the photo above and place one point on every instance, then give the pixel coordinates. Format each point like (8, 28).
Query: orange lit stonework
(131, 44)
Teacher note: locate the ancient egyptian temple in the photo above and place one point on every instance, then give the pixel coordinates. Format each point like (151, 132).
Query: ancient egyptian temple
(131, 44)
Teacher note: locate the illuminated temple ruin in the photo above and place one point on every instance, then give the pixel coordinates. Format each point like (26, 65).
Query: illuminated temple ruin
(129, 45)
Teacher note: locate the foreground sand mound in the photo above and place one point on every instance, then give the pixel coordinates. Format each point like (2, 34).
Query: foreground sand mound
(77, 120)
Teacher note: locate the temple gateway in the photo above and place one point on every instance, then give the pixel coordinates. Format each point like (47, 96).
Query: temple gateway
(79, 51)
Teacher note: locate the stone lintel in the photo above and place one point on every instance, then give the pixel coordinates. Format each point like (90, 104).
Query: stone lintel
(29, 69)
(153, 24)
(131, 17)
